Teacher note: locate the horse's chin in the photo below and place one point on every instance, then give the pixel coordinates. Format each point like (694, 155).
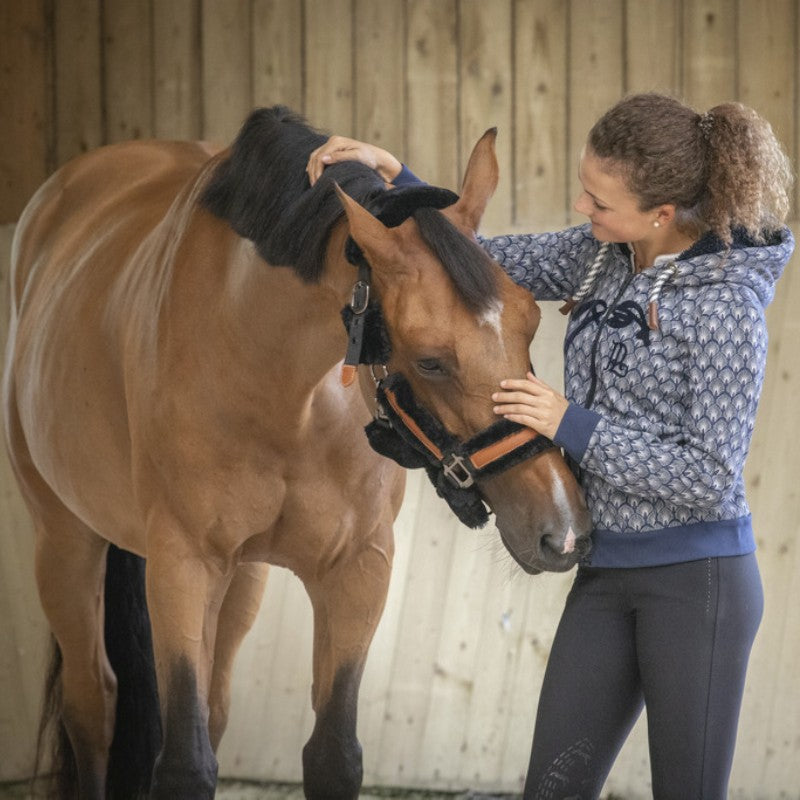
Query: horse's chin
(546, 559)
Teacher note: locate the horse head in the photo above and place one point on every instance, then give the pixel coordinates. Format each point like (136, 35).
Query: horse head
(457, 325)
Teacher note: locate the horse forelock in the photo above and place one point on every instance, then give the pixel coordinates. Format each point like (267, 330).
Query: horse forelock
(468, 265)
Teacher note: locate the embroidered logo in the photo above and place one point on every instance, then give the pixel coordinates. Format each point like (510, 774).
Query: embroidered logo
(623, 315)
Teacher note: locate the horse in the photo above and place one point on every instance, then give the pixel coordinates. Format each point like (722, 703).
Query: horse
(198, 340)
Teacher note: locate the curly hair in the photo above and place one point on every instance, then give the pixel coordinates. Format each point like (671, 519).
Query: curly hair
(723, 169)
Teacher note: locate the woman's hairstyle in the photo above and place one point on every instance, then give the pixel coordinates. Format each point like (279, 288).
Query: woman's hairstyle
(721, 170)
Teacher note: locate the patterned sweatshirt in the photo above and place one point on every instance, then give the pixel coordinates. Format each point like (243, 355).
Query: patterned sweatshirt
(659, 421)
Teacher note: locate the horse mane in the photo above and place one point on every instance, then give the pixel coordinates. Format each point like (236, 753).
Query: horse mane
(261, 189)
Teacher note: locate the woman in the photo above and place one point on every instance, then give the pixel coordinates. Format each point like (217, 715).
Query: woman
(664, 361)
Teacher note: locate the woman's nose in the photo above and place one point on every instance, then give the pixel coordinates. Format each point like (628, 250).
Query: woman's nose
(582, 204)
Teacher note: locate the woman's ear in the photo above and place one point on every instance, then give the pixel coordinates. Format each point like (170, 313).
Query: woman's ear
(665, 214)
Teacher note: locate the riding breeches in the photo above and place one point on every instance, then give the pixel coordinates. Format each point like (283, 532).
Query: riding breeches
(675, 639)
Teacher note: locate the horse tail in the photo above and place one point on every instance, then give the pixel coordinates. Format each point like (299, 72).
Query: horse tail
(129, 644)
(137, 728)
(62, 772)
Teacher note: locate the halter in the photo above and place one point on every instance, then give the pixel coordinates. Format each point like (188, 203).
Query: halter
(402, 429)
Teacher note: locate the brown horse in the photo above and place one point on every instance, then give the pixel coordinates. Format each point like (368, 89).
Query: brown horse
(173, 388)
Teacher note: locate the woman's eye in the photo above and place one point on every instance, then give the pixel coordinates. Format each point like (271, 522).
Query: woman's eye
(430, 367)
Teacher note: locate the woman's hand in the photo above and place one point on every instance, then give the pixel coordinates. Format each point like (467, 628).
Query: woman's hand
(340, 148)
(531, 402)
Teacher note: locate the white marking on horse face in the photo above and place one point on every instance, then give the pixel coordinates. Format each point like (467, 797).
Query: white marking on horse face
(492, 318)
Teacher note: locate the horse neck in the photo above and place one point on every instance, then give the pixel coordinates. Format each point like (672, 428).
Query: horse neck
(292, 329)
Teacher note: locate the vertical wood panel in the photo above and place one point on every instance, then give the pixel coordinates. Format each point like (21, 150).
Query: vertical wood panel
(23, 632)
(433, 126)
(652, 45)
(596, 73)
(329, 64)
(277, 45)
(226, 64)
(769, 84)
(486, 92)
(176, 69)
(380, 74)
(24, 100)
(709, 48)
(78, 78)
(128, 69)
(540, 114)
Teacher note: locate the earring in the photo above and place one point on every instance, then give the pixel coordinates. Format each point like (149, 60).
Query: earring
(656, 224)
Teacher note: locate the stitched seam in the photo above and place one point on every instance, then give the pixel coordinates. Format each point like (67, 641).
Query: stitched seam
(710, 667)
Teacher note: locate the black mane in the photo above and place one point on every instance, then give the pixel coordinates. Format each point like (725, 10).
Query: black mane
(262, 190)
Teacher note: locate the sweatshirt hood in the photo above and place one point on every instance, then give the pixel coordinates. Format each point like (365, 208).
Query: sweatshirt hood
(754, 265)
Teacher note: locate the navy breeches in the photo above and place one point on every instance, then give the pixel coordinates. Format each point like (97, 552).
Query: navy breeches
(675, 639)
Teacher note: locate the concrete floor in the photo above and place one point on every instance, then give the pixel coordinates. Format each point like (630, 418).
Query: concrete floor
(236, 790)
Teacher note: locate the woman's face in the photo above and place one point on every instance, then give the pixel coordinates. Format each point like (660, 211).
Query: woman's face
(608, 203)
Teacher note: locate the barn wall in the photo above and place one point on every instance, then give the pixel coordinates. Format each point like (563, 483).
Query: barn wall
(450, 690)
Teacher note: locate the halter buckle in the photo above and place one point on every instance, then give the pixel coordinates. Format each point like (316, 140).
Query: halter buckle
(456, 470)
(359, 299)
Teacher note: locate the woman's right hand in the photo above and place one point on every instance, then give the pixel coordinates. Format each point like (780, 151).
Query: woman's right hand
(340, 148)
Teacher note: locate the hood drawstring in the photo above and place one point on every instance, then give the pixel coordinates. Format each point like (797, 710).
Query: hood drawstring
(669, 271)
(588, 281)
(587, 284)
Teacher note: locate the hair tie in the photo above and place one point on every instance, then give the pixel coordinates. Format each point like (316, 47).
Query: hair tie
(705, 122)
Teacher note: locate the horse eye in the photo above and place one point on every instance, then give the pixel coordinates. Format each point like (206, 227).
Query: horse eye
(430, 367)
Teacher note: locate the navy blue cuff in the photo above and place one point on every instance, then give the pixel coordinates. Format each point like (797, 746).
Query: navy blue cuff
(406, 178)
(575, 430)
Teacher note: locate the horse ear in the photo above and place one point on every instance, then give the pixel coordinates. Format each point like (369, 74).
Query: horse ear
(480, 181)
(369, 233)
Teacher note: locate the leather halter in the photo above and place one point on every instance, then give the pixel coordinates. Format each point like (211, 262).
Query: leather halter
(408, 433)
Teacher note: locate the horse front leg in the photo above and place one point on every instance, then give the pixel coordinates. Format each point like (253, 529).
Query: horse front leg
(347, 601)
(184, 595)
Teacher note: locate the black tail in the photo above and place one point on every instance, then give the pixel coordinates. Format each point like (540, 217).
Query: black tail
(137, 732)
(129, 643)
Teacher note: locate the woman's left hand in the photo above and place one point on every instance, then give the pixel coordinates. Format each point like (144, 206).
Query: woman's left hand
(531, 402)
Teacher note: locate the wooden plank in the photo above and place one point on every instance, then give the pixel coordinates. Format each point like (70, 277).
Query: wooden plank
(227, 67)
(652, 46)
(277, 45)
(596, 78)
(176, 69)
(379, 91)
(328, 89)
(25, 102)
(78, 78)
(433, 124)
(709, 52)
(767, 64)
(541, 201)
(128, 69)
(486, 94)
(767, 741)
(23, 630)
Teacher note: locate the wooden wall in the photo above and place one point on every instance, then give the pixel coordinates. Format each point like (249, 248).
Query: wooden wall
(450, 691)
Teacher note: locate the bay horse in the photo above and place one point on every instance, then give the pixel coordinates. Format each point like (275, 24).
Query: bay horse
(178, 418)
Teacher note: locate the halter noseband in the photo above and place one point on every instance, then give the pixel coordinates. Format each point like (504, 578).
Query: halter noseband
(402, 429)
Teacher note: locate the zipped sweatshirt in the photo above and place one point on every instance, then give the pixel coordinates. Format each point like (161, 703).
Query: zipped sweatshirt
(659, 421)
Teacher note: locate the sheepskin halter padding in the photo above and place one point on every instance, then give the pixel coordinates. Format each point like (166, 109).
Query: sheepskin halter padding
(410, 435)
